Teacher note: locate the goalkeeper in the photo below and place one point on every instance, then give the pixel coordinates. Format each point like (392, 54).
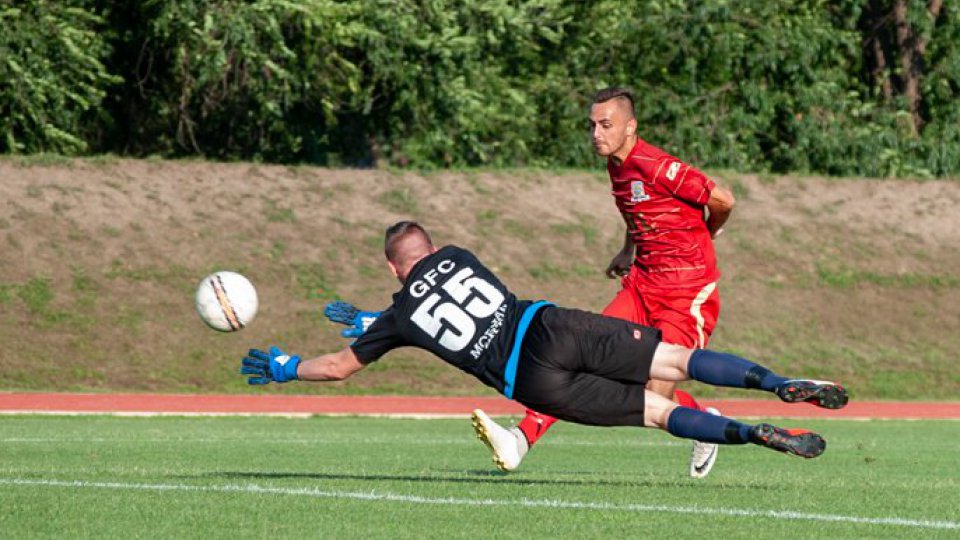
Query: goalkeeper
(574, 365)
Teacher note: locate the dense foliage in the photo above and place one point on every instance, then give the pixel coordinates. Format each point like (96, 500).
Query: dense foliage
(838, 87)
(52, 75)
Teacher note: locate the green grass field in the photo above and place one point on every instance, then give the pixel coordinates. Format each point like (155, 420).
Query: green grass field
(347, 477)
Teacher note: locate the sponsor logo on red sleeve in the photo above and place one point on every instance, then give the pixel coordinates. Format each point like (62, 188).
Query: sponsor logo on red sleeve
(673, 170)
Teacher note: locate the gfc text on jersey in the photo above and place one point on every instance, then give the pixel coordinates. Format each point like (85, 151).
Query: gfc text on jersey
(453, 323)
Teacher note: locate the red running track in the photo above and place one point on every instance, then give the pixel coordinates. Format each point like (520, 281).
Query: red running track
(134, 404)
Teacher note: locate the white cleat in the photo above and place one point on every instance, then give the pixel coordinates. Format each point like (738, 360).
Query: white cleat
(507, 446)
(704, 454)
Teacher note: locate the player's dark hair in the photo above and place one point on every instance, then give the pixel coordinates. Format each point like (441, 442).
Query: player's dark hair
(397, 232)
(615, 92)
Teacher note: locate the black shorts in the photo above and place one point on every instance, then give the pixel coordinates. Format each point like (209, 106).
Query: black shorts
(586, 368)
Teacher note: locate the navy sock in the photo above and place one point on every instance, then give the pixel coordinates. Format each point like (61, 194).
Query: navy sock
(703, 426)
(722, 369)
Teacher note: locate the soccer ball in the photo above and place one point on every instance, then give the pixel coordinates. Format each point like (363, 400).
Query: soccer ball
(226, 301)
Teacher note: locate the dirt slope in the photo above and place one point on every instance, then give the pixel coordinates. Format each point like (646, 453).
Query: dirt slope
(855, 279)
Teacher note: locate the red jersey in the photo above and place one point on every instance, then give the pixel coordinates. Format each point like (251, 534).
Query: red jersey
(664, 201)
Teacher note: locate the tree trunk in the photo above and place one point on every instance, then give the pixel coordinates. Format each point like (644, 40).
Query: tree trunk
(877, 47)
(880, 70)
(912, 48)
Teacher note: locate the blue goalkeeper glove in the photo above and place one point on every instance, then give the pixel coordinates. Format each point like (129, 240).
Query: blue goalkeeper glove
(275, 366)
(348, 314)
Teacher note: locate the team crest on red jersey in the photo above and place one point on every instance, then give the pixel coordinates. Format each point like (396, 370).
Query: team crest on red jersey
(637, 192)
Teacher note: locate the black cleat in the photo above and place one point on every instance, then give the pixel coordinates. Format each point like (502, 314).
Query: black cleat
(798, 442)
(826, 394)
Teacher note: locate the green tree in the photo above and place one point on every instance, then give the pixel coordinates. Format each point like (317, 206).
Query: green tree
(841, 87)
(52, 75)
(244, 79)
(452, 82)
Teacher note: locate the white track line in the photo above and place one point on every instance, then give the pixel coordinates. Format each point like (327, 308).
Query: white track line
(528, 503)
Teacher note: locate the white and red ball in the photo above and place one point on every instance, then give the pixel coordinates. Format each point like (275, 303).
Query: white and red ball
(226, 301)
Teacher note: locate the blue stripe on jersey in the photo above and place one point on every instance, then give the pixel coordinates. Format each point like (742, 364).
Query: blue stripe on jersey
(510, 372)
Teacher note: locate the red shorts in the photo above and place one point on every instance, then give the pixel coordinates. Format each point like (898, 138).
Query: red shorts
(685, 316)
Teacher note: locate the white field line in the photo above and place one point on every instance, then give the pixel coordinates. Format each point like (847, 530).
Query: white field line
(512, 503)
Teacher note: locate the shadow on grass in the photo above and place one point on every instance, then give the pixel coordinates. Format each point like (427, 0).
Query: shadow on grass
(486, 477)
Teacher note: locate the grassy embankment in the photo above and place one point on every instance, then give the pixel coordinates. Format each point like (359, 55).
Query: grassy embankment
(849, 279)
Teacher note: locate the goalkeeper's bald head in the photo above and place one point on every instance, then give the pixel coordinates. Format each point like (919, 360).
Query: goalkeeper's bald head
(405, 243)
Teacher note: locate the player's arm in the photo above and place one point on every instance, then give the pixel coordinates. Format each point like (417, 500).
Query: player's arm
(621, 262)
(277, 366)
(691, 185)
(330, 367)
(719, 207)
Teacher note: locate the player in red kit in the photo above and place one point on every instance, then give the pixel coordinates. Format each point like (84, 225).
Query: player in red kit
(667, 263)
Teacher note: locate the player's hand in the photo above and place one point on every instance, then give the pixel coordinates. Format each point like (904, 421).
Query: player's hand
(348, 314)
(620, 264)
(266, 367)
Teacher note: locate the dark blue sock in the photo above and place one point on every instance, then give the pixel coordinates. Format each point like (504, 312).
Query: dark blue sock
(703, 426)
(722, 369)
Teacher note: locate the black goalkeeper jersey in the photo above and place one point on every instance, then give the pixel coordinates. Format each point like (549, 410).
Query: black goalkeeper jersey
(454, 307)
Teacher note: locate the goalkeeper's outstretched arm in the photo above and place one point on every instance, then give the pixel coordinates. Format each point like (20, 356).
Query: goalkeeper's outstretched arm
(276, 366)
(330, 367)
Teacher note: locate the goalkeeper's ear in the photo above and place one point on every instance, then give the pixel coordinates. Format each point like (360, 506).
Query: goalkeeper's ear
(394, 270)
